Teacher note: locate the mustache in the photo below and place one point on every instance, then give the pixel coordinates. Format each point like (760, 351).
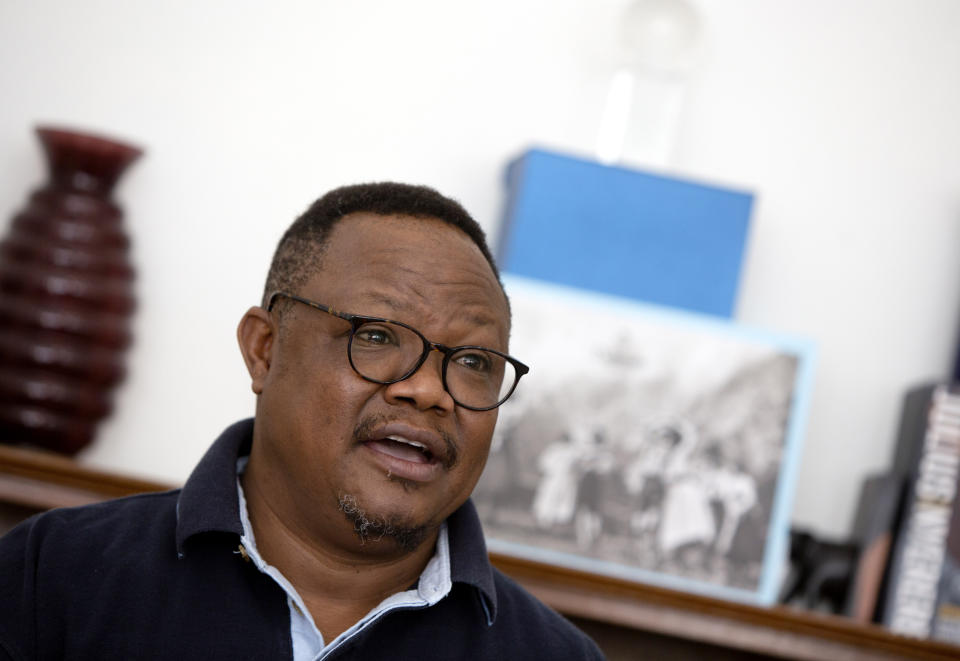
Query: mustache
(451, 451)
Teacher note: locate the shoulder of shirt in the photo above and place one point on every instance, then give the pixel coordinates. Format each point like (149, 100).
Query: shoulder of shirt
(63, 543)
(544, 629)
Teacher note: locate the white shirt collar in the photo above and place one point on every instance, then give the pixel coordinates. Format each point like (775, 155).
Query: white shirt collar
(308, 644)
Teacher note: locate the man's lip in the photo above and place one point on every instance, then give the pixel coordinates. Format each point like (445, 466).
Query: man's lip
(403, 469)
(433, 442)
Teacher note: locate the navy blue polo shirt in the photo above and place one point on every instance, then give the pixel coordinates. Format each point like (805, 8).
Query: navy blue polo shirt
(159, 576)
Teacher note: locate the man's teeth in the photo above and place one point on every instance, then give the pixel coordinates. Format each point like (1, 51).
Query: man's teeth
(401, 439)
(403, 448)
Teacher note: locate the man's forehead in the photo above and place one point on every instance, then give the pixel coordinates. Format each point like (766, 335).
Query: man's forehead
(385, 260)
(477, 315)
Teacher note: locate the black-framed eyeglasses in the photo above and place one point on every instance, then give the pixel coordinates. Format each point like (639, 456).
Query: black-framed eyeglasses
(386, 351)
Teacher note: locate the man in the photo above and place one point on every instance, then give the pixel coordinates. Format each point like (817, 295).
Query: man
(336, 524)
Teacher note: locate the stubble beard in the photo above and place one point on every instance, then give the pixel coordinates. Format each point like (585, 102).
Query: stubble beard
(373, 529)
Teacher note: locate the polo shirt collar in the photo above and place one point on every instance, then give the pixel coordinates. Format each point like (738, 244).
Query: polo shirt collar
(208, 502)
(468, 556)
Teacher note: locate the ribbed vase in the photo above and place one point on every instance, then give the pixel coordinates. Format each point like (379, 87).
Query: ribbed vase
(66, 296)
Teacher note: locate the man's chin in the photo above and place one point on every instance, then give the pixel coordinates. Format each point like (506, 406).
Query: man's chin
(371, 528)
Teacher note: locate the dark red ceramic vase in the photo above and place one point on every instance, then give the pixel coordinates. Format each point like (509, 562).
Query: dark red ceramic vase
(66, 297)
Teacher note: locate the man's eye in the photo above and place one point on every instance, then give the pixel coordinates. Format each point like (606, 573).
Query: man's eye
(375, 336)
(476, 361)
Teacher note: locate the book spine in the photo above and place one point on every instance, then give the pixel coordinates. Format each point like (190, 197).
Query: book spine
(919, 559)
(946, 626)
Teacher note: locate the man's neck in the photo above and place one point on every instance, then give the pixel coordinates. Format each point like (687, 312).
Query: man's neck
(339, 577)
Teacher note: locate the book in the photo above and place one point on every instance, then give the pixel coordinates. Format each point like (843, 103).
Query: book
(923, 587)
(873, 531)
(651, 237)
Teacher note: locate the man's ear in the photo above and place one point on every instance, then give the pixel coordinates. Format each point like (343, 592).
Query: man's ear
(256, 334)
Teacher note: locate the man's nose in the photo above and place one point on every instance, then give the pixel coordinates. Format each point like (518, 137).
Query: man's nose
(424, 388)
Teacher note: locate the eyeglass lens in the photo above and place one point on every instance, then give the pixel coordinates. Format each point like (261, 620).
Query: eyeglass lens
(386, 352)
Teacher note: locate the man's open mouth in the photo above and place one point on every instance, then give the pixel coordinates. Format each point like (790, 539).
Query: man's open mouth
(402, 448)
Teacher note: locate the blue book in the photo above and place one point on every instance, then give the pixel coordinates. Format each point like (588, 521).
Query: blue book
(625, 232)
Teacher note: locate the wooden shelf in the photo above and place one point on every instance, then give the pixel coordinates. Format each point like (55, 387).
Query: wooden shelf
(33, 480)
(42, 480)
(777, 632)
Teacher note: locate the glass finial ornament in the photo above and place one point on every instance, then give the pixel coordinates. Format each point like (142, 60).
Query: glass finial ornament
(658, 49)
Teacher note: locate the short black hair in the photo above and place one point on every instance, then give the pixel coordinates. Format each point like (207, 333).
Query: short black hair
(299, 253)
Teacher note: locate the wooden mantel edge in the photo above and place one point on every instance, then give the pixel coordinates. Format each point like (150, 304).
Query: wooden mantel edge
(52, 468)
(583, 587)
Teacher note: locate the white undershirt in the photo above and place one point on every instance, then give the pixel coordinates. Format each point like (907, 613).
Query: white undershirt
(308, 643)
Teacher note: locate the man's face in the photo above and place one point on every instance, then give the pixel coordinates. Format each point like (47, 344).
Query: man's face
(327, 440)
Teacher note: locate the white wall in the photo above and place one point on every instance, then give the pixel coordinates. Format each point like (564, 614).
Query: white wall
(842, 115)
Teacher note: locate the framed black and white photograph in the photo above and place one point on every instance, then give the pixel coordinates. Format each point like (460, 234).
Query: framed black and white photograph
(646, 443)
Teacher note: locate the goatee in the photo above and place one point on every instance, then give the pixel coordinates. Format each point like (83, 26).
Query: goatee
(408, 538)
